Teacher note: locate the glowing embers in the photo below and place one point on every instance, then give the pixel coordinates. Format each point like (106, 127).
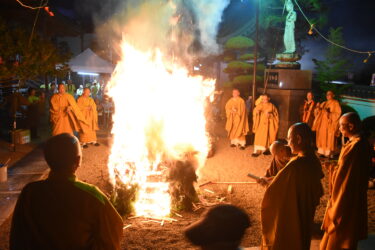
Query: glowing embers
(159, 117)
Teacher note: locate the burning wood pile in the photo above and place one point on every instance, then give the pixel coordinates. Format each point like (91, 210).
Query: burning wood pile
(180, 177)
(160, 106)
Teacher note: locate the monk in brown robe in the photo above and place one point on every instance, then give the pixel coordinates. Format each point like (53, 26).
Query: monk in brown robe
(345, 221)
(88, 108)
(265, 125)
(308, 109)
(62, 212)
(237, 124)
(289, 202)
(326, 125)
(281, 155)
(65, 114)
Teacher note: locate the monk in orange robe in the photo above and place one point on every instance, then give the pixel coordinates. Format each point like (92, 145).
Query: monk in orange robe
(345, 221)
(66, 117)
(326, 125)
(290, 200)
(88, 108)
(308, 109)
(237, 124)
(265, 125)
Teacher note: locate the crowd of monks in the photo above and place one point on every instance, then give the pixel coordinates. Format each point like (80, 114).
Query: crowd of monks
(293, 180)
(68, 115)
(322, 118)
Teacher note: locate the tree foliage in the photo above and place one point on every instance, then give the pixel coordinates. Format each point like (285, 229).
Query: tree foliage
(334, 66)
(240, 68)
(23, 58)
(239, 43)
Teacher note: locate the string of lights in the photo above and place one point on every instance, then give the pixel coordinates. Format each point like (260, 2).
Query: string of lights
(313, 27)
(46, 8)
(31, 7)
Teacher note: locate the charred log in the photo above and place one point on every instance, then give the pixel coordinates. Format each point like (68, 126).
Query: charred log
(181, 177)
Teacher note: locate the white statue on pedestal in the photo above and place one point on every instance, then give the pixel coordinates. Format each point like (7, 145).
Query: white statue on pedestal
(289, 42)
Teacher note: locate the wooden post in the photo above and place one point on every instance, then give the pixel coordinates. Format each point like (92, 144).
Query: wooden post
(255, 54)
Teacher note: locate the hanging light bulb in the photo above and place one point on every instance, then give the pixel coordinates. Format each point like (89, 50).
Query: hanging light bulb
(50, 13)
(311, 29)
(368, 57)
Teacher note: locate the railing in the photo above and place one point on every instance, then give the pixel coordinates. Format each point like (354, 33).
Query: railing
(360, 91)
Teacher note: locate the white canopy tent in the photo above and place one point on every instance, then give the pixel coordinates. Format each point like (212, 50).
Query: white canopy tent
(89, 62)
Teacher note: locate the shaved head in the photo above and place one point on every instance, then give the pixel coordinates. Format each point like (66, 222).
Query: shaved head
(61, 88)
(62, 153)
(300, 137)
(350, 124)
(352, 118)
(276, 147)
(265, 98)
(330, 95)
(279, 149)
(236, 92)
(86, 92)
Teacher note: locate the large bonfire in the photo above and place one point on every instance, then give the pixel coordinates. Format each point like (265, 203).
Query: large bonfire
(159, 118)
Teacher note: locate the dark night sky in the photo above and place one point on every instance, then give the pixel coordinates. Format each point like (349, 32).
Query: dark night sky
(357, 18)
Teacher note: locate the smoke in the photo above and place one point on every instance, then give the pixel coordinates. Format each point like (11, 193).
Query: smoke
(181, 29)
(208, 14)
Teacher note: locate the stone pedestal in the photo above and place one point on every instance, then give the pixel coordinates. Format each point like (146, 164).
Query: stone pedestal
(287, 79)
(287, 89)
(288, 61)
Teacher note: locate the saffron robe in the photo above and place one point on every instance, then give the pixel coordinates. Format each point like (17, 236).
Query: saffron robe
(62, 120)
(88, 109)
(64, 213)
(289, 203)
(308, 113)
(237, 124)
(265, 125)
(345, 220)
(326, 124)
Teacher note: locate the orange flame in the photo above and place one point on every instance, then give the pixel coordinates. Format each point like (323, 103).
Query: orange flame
(159, 116)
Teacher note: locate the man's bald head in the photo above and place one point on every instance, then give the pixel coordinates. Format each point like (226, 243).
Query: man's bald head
(300, 137)
(63, 153)
(236, 92)
(61, 88)
(276, 146)
(350, 124)
(280, 149)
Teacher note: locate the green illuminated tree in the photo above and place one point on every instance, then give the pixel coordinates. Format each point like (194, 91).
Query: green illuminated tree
(23, 58)
(239, 67)
(334, 66)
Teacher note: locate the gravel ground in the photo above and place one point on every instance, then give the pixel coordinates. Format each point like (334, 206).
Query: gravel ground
(228, 164)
